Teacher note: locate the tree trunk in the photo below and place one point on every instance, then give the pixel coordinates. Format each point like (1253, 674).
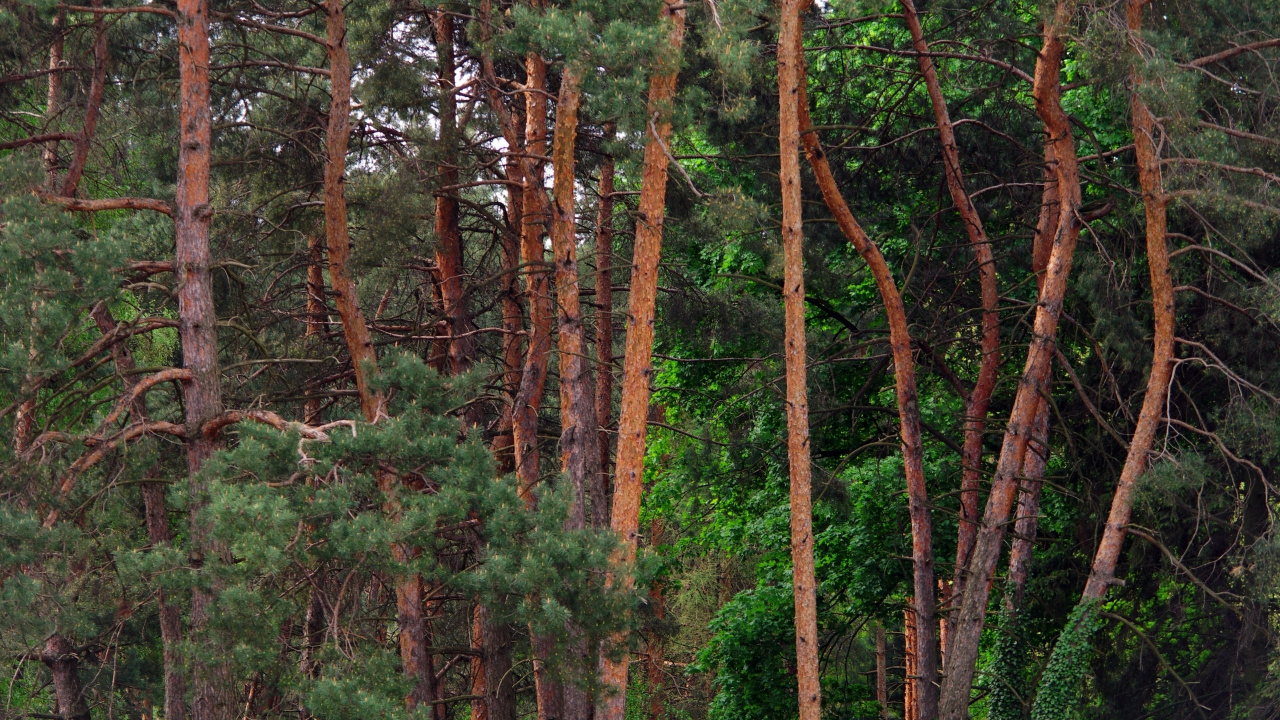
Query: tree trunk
(336, 235)
(1154, 204)
(448, 236)
(656, 643)
(212, 691)
(910, 665)
(512, 317)
(924, 681)
(979, 400)
(533, 255)
(53, 104)
(599, 489)
(64, 665)
(790, 59)
(579, 444)
(316, 310)
(967, 628)
(638, 360)
(93, 105)
(882, 680)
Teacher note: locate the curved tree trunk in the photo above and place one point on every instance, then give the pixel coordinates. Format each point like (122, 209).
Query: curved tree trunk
(790, 72)
(1154, 204)
(638, 359)
(979, 400)
(962, 651)
(448, 235)
(924, 684)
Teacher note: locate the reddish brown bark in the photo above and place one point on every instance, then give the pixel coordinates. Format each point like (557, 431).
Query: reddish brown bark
(599, 489)
(537, 283)
(212, 693)
(638, 358)
(93, 104)
(979, 400)
(336, 235)
(579, 445)
(448, 236)
(512, 317)
(924, 681)
(966, 632)
(790, 72)
(1154, 204)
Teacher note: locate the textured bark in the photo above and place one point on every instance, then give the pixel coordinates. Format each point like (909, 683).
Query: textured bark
(316, 310)
(966, 629)
(638, 359)
(790, 60)
(1154, 205)
(64, 666)
(882, 680)
(579, 445)
(336, 235)
(910, 665)
(212, 692)
(448, 235)
(979, 400)
(599, 489)
(499, 685)
(53, 104)
(924, 681)
(156, 515)
(533, 381)
(93, 105)
(512, 318)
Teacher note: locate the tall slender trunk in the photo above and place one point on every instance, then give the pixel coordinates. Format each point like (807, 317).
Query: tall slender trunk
(638, 361)
(448, 236)
(415, 661)
(967, 628)
(910, 664)
(93, 105)
(925, 681)
(882, 679)
(979, 400)
(599, 489)
(579, 446)
(1076, 637)
(316, 310)
(512, 317)
(53, 103)
(1154, 204)
(790, 61)
(1037, 457)
(212, 692)
(537, 284)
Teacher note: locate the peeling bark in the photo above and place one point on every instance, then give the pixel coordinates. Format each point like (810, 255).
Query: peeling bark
(599, 489)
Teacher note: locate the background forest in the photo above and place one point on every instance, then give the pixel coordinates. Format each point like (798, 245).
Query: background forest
(619, 359)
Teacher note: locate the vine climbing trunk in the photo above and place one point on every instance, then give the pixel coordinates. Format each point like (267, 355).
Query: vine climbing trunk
(638, 356)
(962, 651)
(924, 682)
(979, 399)
(790, 60)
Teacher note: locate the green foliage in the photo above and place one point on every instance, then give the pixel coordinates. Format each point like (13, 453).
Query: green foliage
(1058, 695)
